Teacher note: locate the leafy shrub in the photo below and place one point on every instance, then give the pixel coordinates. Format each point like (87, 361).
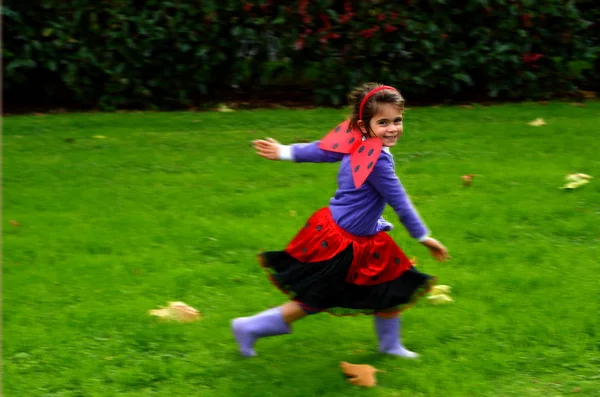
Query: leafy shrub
(174, 53)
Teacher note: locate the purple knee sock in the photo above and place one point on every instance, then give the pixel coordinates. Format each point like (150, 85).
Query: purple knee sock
(388, 333)
(248, 329)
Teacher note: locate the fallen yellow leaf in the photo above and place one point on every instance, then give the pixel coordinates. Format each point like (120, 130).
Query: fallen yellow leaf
(577, 180)
(440, 289)
(537, 122)
(224, 108)
(177, 311)
(576, 184)
(439, 299)
(577, 177)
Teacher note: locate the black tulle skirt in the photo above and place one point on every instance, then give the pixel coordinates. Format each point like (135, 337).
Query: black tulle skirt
(330, 284)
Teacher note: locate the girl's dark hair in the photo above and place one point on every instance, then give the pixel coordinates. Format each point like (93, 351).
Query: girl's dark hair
(372, 105)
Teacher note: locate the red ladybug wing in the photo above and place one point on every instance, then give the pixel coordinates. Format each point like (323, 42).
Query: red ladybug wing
(341, 139)
(363, 160)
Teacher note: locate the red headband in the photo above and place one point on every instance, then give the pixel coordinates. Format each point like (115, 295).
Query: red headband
(370, 94)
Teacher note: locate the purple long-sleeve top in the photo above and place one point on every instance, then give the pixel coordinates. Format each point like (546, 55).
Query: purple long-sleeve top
(358, 211)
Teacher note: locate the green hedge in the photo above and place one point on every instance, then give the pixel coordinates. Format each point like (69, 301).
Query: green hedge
(168, 54)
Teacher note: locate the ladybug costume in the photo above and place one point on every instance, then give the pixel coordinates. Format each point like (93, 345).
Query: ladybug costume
(343, 261)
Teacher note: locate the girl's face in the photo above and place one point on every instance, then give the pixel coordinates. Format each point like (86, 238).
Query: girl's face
(386, 124)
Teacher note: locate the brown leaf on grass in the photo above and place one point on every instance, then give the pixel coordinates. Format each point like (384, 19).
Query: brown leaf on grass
(467, 179)
(14, 223)
(177, 311)
(588, 94)
(537, 122)
(360, 374)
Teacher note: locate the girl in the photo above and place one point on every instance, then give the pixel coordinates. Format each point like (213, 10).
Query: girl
(343, 261)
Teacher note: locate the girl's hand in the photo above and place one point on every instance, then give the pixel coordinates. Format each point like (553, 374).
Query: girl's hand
(438, 251)
(268, 149)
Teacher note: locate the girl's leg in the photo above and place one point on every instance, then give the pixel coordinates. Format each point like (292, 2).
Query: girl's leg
(293, 311)
(388, 327)
(271, 322)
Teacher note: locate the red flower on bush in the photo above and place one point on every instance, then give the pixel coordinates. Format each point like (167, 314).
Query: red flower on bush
(349, 14)
(326, 23)
(302, 8)
(389, 28)
(444, 36)
(530, 57)
(348, 6)
(381, 17)
(209, 18)
(526, 19)
(247, 7)
(345, 18)
(299, 44)
(368, 33)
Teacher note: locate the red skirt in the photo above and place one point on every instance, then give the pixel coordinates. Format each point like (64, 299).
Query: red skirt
(327, 268)
(376, 259)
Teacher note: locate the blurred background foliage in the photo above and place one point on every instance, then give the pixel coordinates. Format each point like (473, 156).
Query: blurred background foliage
(169, 54)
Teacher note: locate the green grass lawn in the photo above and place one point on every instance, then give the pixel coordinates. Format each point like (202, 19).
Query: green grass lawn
(175, 206)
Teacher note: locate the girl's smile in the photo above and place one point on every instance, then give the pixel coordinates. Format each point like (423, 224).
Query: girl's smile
(386, 124)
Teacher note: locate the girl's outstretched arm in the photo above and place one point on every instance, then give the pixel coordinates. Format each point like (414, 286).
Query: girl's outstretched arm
(300, 152)
(386, 182)
(437, 249)
(268, 148)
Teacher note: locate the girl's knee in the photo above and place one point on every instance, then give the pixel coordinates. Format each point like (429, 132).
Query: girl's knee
(388, 313)
(308, 309)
